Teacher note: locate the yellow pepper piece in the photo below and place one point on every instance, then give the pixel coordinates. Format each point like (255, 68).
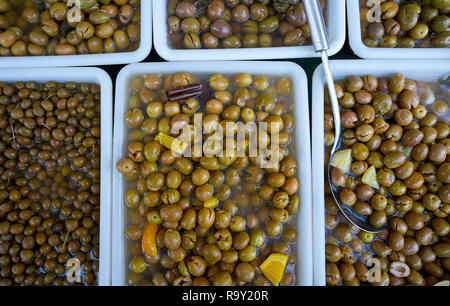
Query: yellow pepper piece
(171, 143)
(211, 203)
(273, 267)
(149, 239)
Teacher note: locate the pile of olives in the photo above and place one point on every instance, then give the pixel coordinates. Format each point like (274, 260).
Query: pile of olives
(408, 24)
(199, 243)
(386, 127)
(49, 182)
(237, 23)
(33, 28)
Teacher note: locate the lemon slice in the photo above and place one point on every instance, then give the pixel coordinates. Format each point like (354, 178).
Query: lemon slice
(370, 178)
(445, 283)
(211, 203)
(342, 159)
(273, 267)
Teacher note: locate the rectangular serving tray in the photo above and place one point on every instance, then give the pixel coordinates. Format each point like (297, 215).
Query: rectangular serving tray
(302, 133)
(425, 70)
(85, 75)
(360, 49)
(92, 59)
(336, 31)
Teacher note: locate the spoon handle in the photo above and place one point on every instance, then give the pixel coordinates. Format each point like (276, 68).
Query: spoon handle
(334, 102)
(316, 25)
(320, 42)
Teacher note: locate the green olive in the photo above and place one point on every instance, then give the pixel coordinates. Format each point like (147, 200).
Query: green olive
(85, 30)
(440, 23)
(247, 254)
(294, 38)
(190, 25)
(99, 17)
(250, 27)
(265, 40)
(406, 42)
(138, 265)
(154, 217)
(192, 41)
(231, 42)
(257, 238)
(441, 41)
(269, 24)
(408, 16)
(429, 13)
(388, 41)
(250, 41)
(440, 4)
(419, 31)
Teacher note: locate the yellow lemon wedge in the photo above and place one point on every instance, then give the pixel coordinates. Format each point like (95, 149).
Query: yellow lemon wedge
(342, 159)
(171, 143)
(211, 203)
(370, 178)
(445, 283)
(273, 267)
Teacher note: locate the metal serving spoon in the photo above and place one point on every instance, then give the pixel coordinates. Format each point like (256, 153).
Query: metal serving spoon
(320, 43)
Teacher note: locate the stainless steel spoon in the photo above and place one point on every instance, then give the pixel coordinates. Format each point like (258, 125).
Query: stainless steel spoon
(320, 43)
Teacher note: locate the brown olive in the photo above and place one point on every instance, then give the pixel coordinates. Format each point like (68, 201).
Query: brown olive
(342, 233)
(332, 274)
(333, 253)
(347, 272)
(347, 197)
(196, 265)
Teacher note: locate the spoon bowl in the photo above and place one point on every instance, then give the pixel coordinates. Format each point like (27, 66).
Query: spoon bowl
(358, 220)
(320, 43)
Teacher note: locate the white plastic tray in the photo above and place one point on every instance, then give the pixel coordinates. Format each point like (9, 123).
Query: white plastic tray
(92, 59)
(336, 32)
(360, 49)
(85, 75)
(304, 250)
(418, 70)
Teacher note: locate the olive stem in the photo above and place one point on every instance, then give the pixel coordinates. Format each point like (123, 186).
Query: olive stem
(43, 124)
(65, 240)
(13, 138)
